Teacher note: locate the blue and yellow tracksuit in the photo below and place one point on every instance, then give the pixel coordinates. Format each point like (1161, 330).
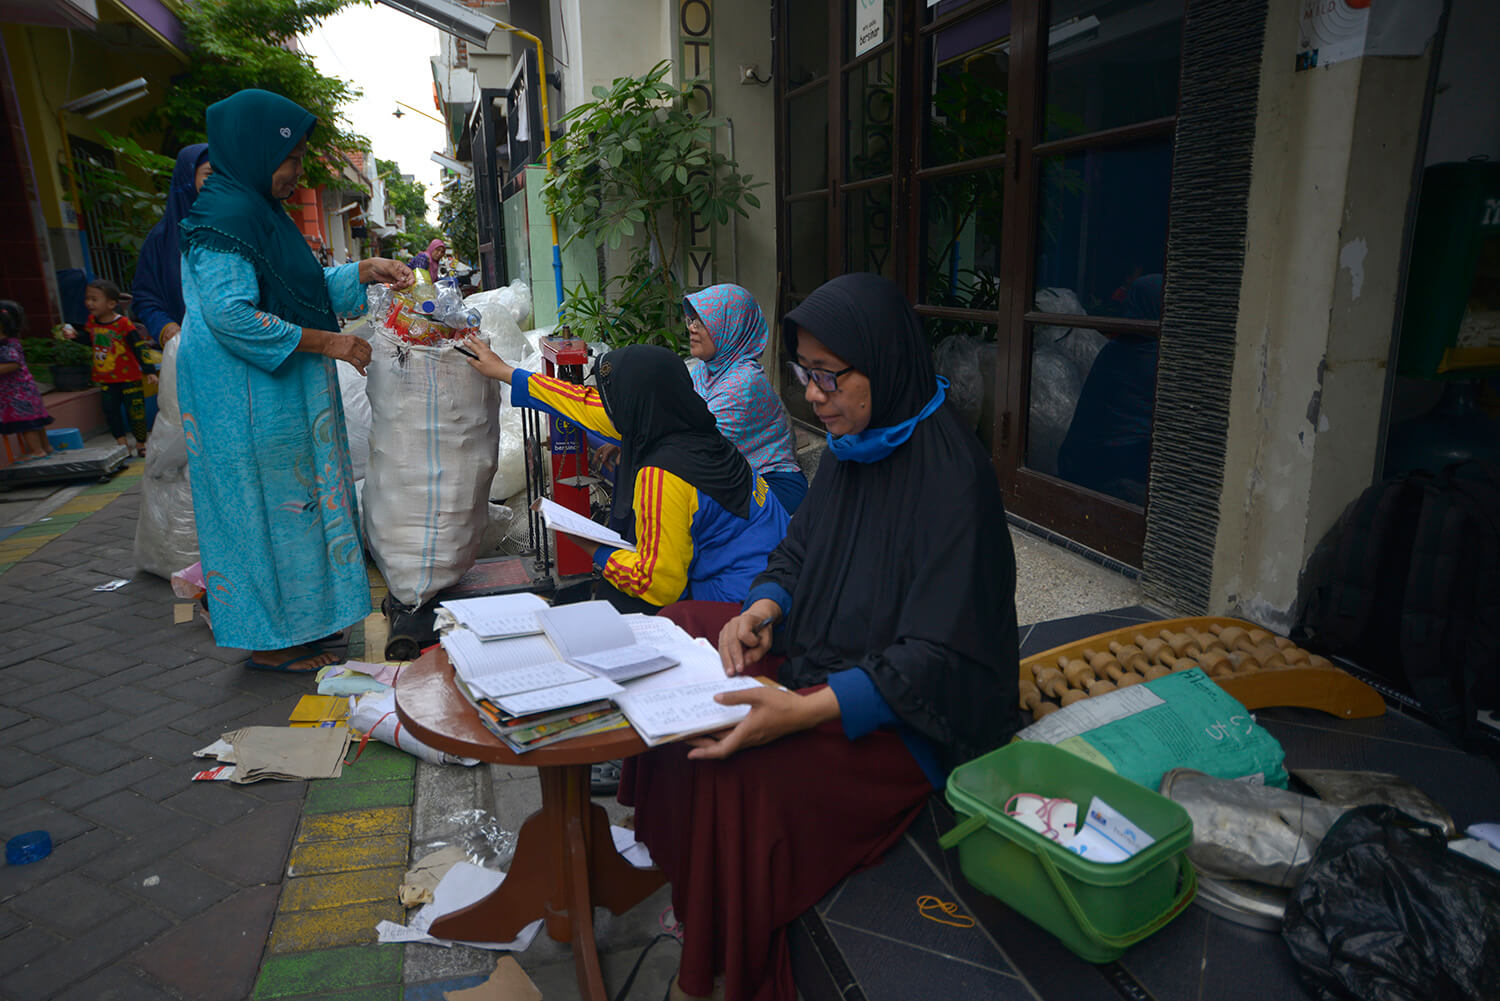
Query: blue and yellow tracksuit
(687, 544)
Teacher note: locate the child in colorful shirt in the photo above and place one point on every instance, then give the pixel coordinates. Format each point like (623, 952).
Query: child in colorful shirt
(121, 368)
(21, 408)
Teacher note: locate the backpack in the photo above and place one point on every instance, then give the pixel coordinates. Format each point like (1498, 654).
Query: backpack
(1407, 586)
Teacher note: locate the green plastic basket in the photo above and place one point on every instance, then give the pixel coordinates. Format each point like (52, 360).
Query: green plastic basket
(1097, 909)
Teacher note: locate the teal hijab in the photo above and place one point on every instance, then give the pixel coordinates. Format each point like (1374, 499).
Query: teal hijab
(250, 134)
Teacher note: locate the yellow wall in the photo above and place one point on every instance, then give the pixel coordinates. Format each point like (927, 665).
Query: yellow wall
(50, 69)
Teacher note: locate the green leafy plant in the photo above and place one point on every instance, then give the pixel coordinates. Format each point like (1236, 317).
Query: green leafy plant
(41, 351)
(635, 165)
(244, 43)
(409, 199)
(459, 217)
(125, 192)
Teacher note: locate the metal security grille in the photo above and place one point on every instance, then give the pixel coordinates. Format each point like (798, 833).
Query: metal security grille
(105, 258)
(1221, 56)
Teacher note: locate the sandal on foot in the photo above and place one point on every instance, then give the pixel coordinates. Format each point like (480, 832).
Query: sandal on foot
(286, 666)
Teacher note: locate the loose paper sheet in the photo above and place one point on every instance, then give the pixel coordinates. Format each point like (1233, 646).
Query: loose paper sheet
(560, 519)
(498, 615)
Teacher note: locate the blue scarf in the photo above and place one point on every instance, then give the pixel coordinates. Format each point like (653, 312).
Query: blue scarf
(874, 444)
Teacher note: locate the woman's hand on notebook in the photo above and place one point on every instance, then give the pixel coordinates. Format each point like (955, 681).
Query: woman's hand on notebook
(746, 638)
(774, 713)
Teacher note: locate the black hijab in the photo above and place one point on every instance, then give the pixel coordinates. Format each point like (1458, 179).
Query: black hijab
(649, 397)
(902, 567)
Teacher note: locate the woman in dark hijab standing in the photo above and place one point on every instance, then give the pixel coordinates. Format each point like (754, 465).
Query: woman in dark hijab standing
(893, 605)
(157, 287)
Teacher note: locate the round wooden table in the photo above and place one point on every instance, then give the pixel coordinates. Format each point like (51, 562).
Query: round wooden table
(565, 861)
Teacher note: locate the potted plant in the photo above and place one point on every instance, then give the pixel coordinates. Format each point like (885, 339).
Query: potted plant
(71, 361)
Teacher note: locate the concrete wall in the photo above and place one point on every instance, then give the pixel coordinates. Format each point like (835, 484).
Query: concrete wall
(1335, 151)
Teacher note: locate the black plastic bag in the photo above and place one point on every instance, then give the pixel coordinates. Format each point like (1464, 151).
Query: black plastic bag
(1387, 912)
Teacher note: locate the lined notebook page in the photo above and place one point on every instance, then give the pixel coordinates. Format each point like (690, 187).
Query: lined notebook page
(689, 708)
(557, 698)
(498, 615)
(528, 679)
(474, 658)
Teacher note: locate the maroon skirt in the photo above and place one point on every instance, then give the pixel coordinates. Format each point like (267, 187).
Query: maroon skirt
(751, 842)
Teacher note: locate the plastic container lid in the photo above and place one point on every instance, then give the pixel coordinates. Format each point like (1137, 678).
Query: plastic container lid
(33, 846)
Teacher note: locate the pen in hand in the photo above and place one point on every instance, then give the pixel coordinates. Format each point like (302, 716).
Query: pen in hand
(465, 351)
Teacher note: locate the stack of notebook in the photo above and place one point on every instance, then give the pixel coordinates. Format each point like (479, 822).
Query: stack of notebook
(538, 674)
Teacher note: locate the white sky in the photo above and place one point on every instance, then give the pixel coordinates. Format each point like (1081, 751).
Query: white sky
(387, 55)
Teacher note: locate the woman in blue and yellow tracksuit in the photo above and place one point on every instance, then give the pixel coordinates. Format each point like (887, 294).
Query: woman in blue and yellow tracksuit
(703, 522)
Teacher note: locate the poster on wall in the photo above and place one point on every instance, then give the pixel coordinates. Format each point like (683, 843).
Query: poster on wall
(1331, 31)
(869, 25)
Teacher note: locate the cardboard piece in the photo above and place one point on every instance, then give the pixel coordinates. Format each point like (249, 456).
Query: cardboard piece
(508, 983)
(423, 878)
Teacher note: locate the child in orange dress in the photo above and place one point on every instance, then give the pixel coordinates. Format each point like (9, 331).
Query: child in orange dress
(21, 408)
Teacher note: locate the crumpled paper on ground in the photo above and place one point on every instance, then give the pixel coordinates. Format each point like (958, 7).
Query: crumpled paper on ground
(419, 882)
(463, 885)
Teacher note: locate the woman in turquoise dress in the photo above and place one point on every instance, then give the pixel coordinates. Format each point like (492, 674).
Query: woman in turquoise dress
(268, 455)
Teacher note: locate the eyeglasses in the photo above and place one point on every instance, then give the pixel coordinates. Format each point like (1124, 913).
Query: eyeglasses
(827, 381)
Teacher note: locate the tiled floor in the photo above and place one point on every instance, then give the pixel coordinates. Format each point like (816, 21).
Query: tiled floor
(869, 939)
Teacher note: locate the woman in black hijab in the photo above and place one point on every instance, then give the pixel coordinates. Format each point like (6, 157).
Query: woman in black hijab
(893, 605)
(701, 520)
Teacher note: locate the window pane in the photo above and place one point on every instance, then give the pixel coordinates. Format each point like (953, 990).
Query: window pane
(871, 111)
(967, 84)
(806, 43)
(964, 353)
(941, 7)
(867, 222)
(1091, 405)
(961, 239)
(854, 12)
(807, 141)
(1111, 63)
(1102, 224)
(807, 244)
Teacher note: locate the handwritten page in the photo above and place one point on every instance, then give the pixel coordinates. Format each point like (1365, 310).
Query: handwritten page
(474, 658)
(653, 630)
(697, 662)
(528, 679)
(561, 519)
(498, 615)
(689, 709)
(559, 697)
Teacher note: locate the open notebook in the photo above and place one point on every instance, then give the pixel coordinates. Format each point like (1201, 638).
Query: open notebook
(592, 635)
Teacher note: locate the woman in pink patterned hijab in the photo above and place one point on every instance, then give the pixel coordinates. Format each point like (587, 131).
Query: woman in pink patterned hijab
(727, 333)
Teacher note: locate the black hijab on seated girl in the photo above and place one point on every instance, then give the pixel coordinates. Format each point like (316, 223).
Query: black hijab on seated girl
(899, 559)
(649, 397)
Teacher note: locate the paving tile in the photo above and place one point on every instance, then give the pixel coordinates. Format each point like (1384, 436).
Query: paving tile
(62, 736)
(168, 744)
(215, 956)
(151, 720)
(381, 761)
(135, 852)
(86, 790)
(66, 963)
(94, 754)
(341, 794)
(322, 973)
(316, 857)
(10, 717)
(216, 802)
(24, 946)
(128, 812)
(355, 824)
(62, 708)
(352, 924)
(62, 825)
(118, 983)
(66, 857)
(70, 904)
(250, 850)
(173, 885)
(363, 886)
(16, 766)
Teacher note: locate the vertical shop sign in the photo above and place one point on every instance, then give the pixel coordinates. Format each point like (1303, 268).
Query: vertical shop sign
(695, 23)
(869, 25)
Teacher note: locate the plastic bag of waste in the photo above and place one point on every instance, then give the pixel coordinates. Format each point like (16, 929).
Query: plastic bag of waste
(434, 437)
(497, 319)
(956, 358)
(166, 532)
(1080, 345)
(356, 399)
(1247, 831)
(1386, 912)
(1055, 385)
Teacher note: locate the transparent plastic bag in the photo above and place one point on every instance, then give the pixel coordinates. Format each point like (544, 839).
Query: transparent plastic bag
(1055, 385)
(956, 358)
